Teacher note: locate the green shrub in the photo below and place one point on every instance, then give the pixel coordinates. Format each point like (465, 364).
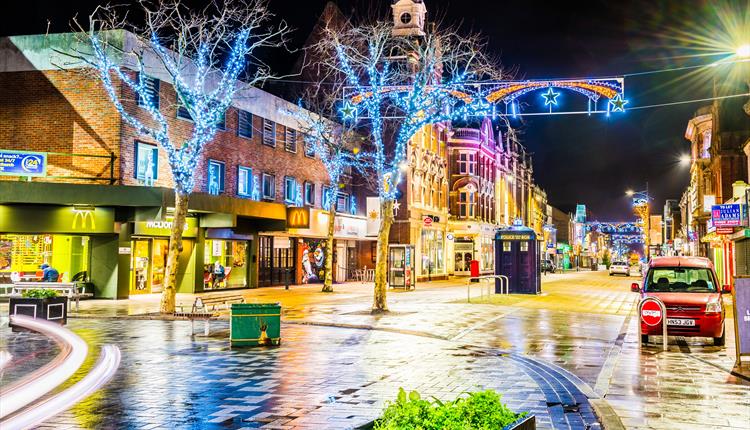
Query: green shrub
(481, 410)
(39, 294)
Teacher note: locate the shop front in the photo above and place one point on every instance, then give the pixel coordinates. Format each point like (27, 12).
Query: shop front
(471, 241)
(309, 247)
(225, 259)
(149, 247)
(60, 236)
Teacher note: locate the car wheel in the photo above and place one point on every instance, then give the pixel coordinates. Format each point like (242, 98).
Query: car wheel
(644, 338)
(719, 341)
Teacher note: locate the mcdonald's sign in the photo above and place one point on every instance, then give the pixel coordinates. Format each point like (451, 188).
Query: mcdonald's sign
(298, 217)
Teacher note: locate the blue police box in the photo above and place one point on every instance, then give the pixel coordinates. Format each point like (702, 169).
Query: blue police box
(517, 257)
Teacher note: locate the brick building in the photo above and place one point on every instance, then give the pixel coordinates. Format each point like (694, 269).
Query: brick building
(100, 169)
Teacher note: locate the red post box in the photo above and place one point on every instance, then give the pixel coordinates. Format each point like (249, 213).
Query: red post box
(474, 267)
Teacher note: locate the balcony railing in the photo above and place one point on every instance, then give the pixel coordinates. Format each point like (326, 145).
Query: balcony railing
(65, 166)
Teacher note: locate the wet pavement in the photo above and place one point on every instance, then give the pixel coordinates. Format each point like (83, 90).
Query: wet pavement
(338, 363)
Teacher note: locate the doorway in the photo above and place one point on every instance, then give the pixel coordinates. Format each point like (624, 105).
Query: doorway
(148, 265)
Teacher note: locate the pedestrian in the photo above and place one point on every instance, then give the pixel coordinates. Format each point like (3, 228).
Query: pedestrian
(218, 274)
(49, 273)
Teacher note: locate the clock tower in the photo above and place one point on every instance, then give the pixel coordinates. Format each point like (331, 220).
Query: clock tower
(408, 18)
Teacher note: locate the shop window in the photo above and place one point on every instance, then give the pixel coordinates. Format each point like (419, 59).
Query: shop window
(151, 92)
(216, 177)
(290, 189)
(342, 202)
(291, 140)
(225, 264)
(244, 124)
(269, 186)
(269, 132)
(309, 194)
(433, 260)
(244, 181)
(21, 255)
(146, 163)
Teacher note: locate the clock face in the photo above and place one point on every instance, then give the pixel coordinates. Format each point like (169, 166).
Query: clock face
(405, 18)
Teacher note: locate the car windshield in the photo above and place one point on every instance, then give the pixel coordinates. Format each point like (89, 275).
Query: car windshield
(618, 263)
(680, 280)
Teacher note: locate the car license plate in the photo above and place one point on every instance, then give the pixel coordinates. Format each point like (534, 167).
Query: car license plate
(680, 322)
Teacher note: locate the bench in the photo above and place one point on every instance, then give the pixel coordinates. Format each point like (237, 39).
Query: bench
(71, 290)
(199, 310)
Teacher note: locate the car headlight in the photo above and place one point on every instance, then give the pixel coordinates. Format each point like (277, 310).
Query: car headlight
(713, 307)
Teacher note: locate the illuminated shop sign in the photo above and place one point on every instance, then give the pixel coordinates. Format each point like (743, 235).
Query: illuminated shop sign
(164, 227)
(23, 163)
(298, 217)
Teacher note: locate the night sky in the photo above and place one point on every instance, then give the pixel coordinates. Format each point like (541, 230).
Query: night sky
(577, 159)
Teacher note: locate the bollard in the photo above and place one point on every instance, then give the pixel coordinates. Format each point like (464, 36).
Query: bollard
(286, 278)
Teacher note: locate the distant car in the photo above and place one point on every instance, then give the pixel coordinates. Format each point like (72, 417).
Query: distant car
(690, 291)
(619, 268)
(548, 266)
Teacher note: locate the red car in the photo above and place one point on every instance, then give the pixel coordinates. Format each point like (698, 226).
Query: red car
(689, 290)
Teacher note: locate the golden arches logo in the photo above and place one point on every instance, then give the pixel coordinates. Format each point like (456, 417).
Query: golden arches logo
(85, 217)
(298, 217)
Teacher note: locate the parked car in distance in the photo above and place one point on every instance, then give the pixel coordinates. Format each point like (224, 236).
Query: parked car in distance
(689, 289)
(548, 266)
(619, 268)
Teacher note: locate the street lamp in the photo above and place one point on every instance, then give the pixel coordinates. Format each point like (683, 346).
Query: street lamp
(743, 51)
(685, 159)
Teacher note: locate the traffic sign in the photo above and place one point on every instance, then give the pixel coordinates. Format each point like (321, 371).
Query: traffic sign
(651, 313)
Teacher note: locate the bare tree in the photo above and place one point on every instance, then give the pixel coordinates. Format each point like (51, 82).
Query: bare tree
(395, 86)
(208, 55)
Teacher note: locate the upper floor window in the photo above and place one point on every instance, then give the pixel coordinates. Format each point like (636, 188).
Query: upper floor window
(183, 112)
(151, 93)
(309, 194)
(244, 124)
(309, 147)
(244, 181)
(290, 189)
(706, 147)
(221, 121)
(342, 202)
(466, 203)
(216, 177)
(290, 144)
(466, 164)
(269, 132)
(269, 186)
(146, 163)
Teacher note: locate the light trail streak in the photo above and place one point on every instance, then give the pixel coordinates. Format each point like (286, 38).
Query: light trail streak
(45, 379)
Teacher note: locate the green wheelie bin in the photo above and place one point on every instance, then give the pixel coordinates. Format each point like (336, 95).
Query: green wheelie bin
(255, 324)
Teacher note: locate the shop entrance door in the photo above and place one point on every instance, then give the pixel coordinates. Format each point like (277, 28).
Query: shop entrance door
(341, 261)
(265, 250)
(140, 279)
(463, 254)
(158, 264)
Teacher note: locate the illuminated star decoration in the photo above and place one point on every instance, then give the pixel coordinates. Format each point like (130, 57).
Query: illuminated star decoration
(618, 103)
(347, 111)
(550, 97)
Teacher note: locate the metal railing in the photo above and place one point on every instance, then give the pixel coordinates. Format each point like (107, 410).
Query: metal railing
(485, 285)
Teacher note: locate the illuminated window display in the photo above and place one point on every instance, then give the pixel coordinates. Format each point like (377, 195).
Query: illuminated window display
(22, 254)
(231, 270)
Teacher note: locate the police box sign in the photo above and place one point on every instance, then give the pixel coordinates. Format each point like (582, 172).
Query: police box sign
(729, 215)
(23, 163)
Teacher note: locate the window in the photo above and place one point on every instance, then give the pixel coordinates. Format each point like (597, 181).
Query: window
(342, 202)
(466, 204)
(269, 132)
(524, 246)
(151, 94)
(681, 280)
(269, 186)
(326, 197)
(506, 246)
(215, 177)
(244, 124)
(221, 122)
(146, 163)
(183, 112)
(466, 164)
(290, 189)
(290, 143)
(374, 251)
(309, 147)
(244, 181)
(309, 193)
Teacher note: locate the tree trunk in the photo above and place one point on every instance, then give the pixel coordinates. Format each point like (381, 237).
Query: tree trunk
(175, 247)
(381, 265)
(328, 283)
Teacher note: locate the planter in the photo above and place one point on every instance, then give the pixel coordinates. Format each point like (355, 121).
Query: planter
(53, 309)
(526, 423)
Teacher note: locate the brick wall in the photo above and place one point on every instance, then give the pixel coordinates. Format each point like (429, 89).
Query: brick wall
(60, 111)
